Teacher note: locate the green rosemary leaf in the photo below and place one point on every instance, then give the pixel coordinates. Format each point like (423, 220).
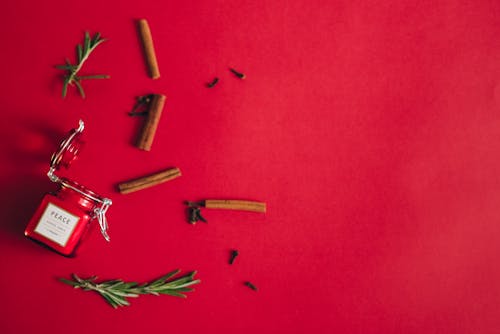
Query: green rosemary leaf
(78, 279)
(130, 285)
(79, 52)
(80, 88)
(64, 67)
(171, 293)
(120, 299)
(109, 300)
(113, 301)
(180, 282)
(113, 284)
(162, 279)
(65, 88)
(95, 76)
(177, 286)
(187, 278)
(86, 43)
(96, 39)
(98, 42)
(123, 294)
(66, 281)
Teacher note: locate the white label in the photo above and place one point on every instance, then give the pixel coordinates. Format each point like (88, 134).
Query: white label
(56, 224)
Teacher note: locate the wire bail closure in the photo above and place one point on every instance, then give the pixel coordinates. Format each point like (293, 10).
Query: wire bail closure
(100, 214)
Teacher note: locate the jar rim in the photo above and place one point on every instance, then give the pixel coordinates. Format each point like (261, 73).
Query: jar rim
(84, 191)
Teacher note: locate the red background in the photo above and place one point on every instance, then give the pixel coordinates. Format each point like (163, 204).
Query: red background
(370, 130)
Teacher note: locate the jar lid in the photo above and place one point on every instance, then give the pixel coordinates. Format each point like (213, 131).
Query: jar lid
(68, 149)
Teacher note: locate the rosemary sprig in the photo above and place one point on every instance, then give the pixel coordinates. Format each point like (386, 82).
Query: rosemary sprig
(115, 292)
(82, 54)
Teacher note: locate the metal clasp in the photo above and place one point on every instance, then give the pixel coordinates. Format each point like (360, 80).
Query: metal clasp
(100, 214)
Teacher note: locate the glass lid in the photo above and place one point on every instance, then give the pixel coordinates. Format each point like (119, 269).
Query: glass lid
(69, 149)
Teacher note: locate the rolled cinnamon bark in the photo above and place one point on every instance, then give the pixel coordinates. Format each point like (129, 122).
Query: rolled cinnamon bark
(235, 205)
(149, 181)
(149, 50)
(147, 135)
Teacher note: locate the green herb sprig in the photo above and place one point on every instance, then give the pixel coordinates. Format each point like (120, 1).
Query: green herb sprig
(115, 292)
(82, 54)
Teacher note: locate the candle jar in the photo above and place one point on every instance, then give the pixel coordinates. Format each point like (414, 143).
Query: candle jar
(63, 218)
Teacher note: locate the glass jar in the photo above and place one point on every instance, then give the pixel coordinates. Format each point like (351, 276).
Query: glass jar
(63, 218)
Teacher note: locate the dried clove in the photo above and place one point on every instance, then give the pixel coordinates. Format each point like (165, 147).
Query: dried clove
(251, 286)
(199, 216)
(238, 74)
(234, 254)
(195, 215)
(141, 107)
(213, 82)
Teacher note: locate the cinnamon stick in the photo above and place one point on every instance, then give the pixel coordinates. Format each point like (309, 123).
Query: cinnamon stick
(149, 181)
(151, 124)
(149, 50)
(235, 205)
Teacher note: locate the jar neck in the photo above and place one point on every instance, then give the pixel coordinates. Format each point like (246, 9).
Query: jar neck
(80, 200)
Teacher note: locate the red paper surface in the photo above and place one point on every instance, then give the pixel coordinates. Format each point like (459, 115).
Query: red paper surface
(371, 130)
